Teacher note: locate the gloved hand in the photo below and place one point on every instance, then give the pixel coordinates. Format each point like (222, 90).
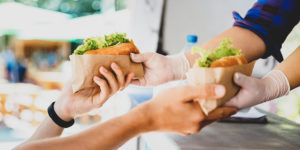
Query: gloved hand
(160, 69)
(255, 91)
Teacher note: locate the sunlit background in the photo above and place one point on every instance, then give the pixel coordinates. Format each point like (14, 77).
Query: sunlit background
(37, 37)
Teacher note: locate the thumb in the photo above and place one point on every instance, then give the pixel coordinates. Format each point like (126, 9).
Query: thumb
(204, 91)
(138, 58)
(241, 79)
(239, 99)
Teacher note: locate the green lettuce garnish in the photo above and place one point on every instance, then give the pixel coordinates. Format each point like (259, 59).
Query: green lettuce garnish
(225, 49)
(101, 42)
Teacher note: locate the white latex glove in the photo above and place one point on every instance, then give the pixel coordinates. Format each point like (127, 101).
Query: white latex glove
(161, 69)
(255, 91)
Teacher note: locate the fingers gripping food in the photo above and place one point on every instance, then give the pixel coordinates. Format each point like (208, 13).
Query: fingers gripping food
(96, 52)
(218, 67)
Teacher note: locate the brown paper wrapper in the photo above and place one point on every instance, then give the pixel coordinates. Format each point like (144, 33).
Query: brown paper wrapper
(219, 75)
(85, 67)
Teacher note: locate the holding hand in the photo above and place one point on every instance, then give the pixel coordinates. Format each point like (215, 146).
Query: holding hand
(174, 110)
(255, 91)
(70, 104)
(160, 69)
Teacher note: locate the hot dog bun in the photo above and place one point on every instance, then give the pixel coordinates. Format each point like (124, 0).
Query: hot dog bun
(229, 61)
(120, 49)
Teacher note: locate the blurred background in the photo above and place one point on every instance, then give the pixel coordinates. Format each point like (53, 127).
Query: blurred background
(37, 37)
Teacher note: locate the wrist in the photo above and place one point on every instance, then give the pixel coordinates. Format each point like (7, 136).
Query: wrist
(62, 113)
(142, 118)
(180, 65)
(276, 85)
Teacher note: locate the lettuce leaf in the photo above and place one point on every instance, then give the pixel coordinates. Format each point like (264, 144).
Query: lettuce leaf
(225, 49)
(115, 39)
(101, 42)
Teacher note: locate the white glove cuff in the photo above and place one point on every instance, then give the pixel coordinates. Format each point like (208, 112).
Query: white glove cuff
(277, 85)
(180, 65)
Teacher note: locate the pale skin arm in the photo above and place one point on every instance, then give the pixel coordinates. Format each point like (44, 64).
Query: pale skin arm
(47, 129)
(108, 135)
(69, 105)
(172, 106)
(252, 46)
(170, 68)
(290, 67)
(275, 84)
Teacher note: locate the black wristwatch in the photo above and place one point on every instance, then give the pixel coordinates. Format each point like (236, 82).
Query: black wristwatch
(52, 114)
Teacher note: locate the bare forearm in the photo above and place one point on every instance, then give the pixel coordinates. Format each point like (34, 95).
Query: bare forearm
(46, 129)
(116, 132)
(251, 45)
(290, 68)
(109, 135)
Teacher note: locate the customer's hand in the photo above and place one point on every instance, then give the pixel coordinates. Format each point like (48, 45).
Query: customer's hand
(255, 91)
(160, 69)
(70, 104)
(174, 110)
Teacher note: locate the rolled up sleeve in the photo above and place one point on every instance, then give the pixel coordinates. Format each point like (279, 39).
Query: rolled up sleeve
(272, 21)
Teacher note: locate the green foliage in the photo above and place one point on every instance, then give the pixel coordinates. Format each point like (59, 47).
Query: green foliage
(74, 7)
(225, 49)
(120, 4)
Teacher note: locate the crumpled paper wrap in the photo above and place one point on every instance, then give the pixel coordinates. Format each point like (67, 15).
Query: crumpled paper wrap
(219, 75)
(85, 67)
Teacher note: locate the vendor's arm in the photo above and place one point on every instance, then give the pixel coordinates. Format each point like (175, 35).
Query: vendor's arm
(170, 68)
(252, 46)
(70, 105)
(259, 34)
(277, 83)
(290, 67)
(262, 31)
(171, 111)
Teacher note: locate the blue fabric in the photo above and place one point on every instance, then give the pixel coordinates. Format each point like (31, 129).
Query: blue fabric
(272, 21)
